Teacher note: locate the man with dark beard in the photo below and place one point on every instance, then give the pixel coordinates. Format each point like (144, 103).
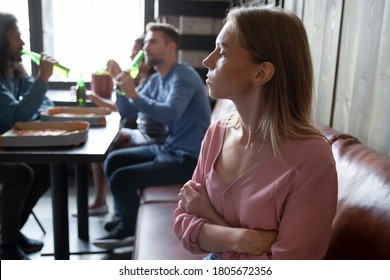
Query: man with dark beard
(22, 98)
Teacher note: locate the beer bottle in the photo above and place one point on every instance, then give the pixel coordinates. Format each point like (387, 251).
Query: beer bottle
(134, 68)
(58, 69)
(135, 64)
(81, 93)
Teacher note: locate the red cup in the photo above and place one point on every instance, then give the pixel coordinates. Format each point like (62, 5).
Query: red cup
(102, 85)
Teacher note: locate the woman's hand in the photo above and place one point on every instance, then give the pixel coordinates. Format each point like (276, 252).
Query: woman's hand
(254, 242)
(113, 68)
(194, 199)
(46, 67)
(100, 101)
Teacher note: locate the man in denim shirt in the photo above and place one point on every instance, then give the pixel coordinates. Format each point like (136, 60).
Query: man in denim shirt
(22, 98)
(175, 96)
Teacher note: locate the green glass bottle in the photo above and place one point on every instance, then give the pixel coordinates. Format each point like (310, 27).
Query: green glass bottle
(58, 69)
(81, 93)
(136, 62)
(134, 68)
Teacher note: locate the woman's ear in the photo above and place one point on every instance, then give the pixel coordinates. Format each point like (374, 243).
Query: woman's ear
(265, 73)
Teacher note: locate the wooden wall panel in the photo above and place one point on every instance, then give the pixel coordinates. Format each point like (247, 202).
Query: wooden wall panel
(362, 92)
(379, 128)
(350, 45)
(322, 21)
(347, 64)
(295, 6)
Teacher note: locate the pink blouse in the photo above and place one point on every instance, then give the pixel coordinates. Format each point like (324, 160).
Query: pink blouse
(296, 197)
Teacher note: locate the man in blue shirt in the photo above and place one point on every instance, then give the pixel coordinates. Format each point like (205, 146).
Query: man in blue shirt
(22, 98)
(174, 96)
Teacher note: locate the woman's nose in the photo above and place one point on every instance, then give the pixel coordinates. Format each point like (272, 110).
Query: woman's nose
(207, 62)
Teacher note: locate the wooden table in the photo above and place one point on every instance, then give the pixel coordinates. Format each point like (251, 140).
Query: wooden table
(94, 149)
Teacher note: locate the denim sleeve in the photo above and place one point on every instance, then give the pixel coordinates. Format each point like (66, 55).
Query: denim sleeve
(125, 106)
(176, 94)
(31, 100)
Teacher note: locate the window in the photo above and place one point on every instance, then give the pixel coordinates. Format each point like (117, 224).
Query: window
(83, 35)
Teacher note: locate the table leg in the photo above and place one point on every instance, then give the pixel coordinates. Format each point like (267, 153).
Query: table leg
(82, 201)
(59, 193)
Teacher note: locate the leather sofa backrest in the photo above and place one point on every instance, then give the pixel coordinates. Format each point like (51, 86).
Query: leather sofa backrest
(361, 228)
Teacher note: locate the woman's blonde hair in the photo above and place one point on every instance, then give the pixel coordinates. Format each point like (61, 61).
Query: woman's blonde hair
(279, 37)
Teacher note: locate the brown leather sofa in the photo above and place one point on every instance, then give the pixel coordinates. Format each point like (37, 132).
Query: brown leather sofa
(361, 228)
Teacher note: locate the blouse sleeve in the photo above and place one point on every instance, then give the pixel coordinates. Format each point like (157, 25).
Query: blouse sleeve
(305, 226)
(187, 226)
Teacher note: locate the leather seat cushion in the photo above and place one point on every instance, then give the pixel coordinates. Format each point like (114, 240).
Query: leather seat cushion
(160, 194)
(156, 220)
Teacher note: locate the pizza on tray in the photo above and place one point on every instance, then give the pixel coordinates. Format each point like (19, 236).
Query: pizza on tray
(43, 132)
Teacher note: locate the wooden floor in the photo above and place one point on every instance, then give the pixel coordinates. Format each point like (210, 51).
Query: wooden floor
(80, 250)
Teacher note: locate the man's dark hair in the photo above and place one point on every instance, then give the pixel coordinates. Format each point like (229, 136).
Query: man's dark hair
(140, 40)
(7, 21)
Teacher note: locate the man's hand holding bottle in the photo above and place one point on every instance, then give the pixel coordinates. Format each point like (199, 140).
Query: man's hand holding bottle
(46, 67)
(126, 83)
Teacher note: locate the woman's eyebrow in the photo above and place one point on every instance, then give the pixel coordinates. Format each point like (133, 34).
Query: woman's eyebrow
(223, 44)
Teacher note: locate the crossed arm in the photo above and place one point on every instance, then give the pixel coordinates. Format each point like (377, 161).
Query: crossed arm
(217, 235)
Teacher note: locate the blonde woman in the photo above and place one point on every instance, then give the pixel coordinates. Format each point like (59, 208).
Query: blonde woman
(265, 186)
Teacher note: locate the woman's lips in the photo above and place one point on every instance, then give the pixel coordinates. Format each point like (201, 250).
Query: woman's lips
(209, 80)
